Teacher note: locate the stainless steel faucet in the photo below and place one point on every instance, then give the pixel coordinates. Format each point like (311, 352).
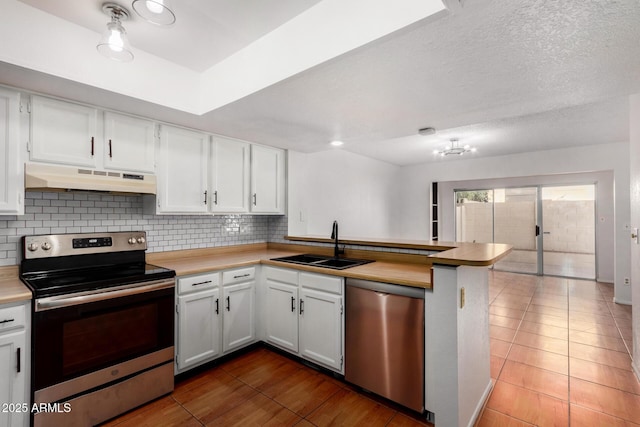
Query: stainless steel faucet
(334, 236)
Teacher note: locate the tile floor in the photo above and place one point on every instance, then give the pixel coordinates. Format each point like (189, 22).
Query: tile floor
(559, 357)
(560, 354)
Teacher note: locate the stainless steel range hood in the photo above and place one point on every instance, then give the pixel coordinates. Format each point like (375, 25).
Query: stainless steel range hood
(51, 177)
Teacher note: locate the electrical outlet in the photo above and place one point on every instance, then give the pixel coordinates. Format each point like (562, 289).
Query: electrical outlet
(627, 282)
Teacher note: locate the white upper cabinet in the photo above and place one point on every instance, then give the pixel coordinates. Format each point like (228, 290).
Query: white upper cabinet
(229, 175)
(128, 143)
(62, 132)
(11, 176)
(78, 135)
(182, 171)
(267, 180)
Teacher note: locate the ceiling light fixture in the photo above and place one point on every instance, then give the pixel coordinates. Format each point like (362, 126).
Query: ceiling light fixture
(455, 148)
(114, 43)
(154, 11)
(336, 143)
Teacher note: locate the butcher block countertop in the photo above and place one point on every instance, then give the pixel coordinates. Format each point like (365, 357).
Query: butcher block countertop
(389, 267)
(11, 288)
(399, 269)
(449, 253)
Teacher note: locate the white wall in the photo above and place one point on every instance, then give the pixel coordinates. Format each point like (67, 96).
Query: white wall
(337, 185)
(634, 156)
(412, 214)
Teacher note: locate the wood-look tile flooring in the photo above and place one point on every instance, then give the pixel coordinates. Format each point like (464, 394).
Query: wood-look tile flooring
(559, 357)
(263, 387)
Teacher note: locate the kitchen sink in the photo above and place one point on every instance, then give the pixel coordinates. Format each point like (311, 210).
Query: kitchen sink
(323, 261)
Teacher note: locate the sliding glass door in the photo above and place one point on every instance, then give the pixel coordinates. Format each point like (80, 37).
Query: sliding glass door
(515, 223)
(551, 228)
(569, 231)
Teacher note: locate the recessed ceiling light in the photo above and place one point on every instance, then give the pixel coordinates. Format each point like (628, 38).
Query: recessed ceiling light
(336, 143)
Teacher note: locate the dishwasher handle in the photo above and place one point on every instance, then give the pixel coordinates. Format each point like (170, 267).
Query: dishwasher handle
(387, 288)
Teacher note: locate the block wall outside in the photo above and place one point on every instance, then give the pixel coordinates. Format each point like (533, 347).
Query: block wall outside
(570, 224)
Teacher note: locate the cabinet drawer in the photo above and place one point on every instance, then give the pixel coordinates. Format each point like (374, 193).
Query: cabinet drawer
(321, 282)
(282, 275)
(12, 317)
(198, 283)
(239, 275)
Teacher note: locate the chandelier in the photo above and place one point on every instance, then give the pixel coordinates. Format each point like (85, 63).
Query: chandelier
(455, 148)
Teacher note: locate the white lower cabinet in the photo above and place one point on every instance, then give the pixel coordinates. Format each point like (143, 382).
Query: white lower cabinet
(320, 327)
(198, 328)
(215, 315)
(304, 315)
(198, 320)
(239, 322)
(13, 365)
(281, 326)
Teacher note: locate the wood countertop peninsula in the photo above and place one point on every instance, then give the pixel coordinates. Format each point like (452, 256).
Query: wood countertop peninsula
(389, 267)
(449, 253)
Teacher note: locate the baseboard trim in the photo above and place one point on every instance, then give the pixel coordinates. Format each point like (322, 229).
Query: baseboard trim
(623, 302)
(481, 403)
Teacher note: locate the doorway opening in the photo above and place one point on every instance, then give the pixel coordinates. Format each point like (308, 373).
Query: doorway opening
(551, 228)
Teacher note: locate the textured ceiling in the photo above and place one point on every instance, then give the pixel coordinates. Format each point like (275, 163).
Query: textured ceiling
(505, 76)
(515, 65)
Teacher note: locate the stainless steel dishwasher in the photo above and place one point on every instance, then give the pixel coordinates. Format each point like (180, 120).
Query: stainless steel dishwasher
(385, 340)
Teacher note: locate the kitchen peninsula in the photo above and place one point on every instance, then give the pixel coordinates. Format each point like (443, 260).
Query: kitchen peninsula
(455, 281)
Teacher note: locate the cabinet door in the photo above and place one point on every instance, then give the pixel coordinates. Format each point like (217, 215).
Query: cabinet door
(182, 171)
(129, 143)
(62, 132)
(198, 328)
(282, 315)
(238, 321)
(12, 377)
(11, 179)
(321, 328)
(267, 180)
(229, 175)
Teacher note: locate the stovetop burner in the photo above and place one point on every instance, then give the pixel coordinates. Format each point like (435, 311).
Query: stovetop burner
(69, 263)
(71, 281)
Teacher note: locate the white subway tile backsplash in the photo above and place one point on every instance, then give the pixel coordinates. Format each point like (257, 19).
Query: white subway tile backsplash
(76, 212)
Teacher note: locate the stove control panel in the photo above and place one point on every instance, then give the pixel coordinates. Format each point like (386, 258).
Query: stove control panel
(92, 242)
(44, 246)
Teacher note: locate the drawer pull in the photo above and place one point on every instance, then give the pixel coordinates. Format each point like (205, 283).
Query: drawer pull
(201, 283)
(6, 321)
(241, 275)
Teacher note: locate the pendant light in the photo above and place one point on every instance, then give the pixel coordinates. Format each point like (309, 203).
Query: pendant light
(154, 11)
(114, 43)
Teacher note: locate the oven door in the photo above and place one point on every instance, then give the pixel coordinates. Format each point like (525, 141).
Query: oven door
(76, 335)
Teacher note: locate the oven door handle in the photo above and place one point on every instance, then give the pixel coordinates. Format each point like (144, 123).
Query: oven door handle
(49, 303)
